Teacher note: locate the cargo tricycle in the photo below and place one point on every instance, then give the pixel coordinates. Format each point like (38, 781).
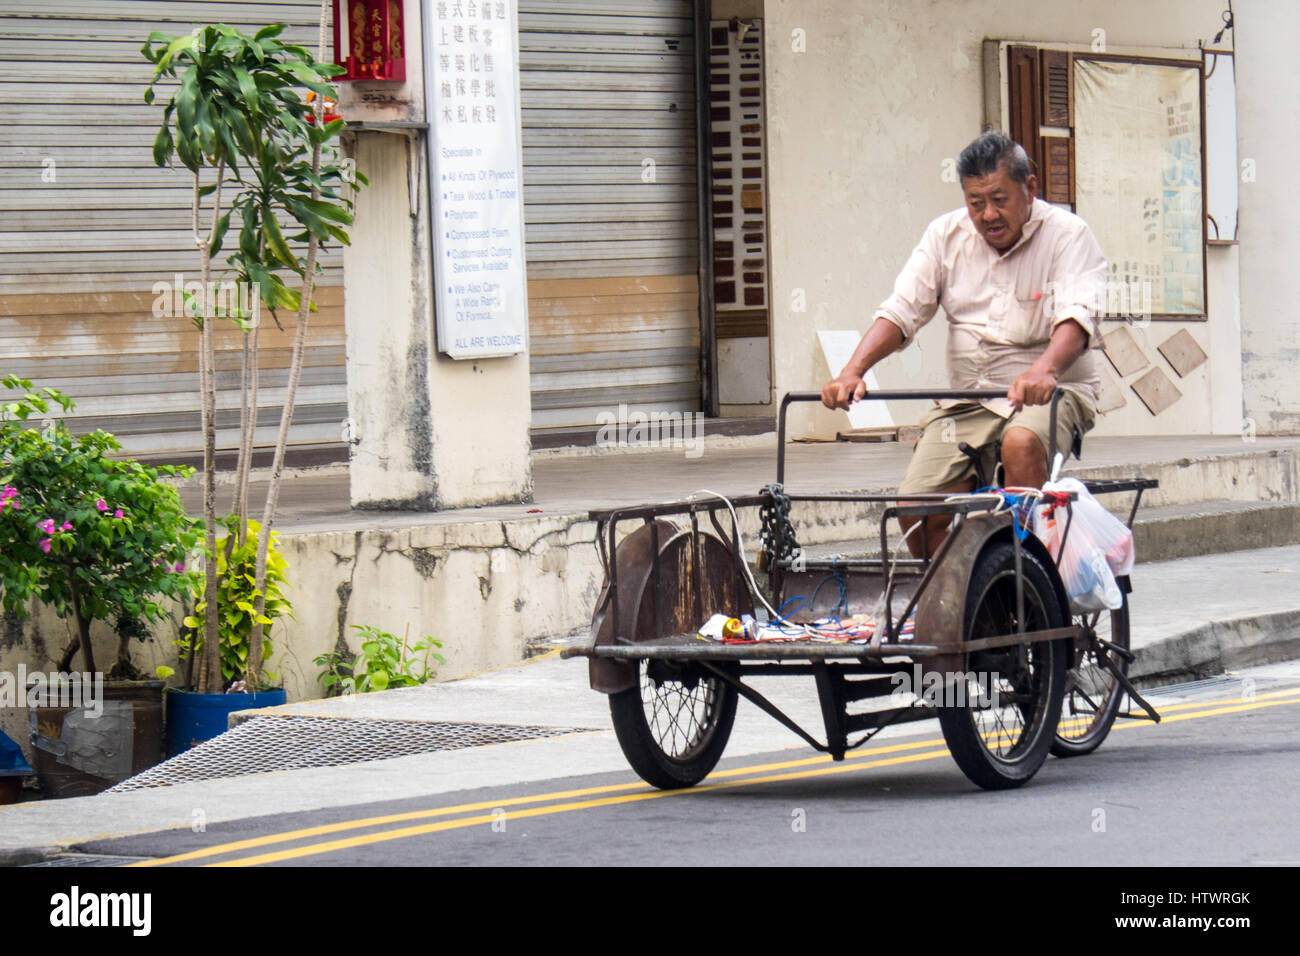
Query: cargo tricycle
(979, 634)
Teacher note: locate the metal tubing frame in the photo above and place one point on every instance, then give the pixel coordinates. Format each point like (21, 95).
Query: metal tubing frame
(904, 394)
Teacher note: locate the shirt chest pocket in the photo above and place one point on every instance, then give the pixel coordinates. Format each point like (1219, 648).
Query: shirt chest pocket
(1028, 321)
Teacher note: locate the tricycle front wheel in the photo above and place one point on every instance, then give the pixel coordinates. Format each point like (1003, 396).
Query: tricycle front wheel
(1000, 730)
(674, 724)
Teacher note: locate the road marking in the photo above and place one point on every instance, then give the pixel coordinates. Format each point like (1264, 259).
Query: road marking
(328, 828)
(854, 761)
(462, 822)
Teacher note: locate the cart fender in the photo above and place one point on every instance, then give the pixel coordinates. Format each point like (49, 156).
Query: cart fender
(941, 611)
(662, 594)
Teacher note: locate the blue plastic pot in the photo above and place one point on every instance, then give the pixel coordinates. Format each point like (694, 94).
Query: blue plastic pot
(193, 718)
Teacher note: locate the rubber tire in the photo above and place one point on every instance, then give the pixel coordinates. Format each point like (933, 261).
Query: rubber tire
(643, 751)
(1080, 746)
(963, 737)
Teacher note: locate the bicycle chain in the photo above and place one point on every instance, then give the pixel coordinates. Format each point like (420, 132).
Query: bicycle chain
(775, 533)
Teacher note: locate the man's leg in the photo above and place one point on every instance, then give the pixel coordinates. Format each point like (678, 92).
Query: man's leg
(925, 543)
(1026, 437)
(938, 465)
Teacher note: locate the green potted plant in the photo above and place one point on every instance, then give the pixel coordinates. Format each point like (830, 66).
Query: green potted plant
(96, 538)
(242, 122)
(193, 717)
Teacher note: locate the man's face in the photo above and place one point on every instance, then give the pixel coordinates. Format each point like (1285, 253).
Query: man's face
(999, 206)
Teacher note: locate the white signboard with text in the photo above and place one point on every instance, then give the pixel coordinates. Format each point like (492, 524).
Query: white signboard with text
(475, 179)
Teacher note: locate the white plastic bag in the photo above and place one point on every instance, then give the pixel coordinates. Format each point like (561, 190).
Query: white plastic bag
(1097, 548)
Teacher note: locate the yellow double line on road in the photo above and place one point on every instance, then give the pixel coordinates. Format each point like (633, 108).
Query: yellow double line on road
(571, 800)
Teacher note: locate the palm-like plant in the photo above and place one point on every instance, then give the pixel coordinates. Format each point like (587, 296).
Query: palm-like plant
(242, 114)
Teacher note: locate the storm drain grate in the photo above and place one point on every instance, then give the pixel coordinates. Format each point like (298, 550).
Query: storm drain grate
(269, 744)
(90, 859)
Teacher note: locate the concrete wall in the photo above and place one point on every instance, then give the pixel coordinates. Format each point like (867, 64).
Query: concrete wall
(860, 125)
(1268, 136)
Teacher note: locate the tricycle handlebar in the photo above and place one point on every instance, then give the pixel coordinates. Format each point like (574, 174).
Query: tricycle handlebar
(904, 394)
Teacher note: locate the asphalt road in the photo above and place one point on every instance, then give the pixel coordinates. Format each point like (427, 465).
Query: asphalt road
(1213, 785)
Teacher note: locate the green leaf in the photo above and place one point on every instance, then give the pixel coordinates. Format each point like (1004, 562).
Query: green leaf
(328, 210)
(163, 146)
(248, 88)
(274, 30)
(276, 244)
(176, 46)
(219, 234)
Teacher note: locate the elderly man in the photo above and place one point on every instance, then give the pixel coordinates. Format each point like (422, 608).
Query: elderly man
(1021, 282)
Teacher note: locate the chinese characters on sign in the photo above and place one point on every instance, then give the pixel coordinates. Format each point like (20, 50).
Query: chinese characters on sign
(475, 179)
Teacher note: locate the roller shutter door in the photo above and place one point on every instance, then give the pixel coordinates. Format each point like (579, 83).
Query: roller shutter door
(90, 225)
(608, 107)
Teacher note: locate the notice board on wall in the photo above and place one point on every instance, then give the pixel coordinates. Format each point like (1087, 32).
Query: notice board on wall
(476, 178)
(1140, 179)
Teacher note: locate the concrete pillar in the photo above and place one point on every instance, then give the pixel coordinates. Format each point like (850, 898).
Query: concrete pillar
(427, 432)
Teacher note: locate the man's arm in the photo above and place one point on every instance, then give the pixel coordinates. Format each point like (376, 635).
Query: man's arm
(1036, 385)
(883, 339)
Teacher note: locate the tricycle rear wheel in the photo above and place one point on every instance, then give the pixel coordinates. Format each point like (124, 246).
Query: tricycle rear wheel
(674, 723)
(1000, 729)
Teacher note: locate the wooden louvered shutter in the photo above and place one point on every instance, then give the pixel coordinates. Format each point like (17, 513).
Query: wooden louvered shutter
(1022, 94)
(1057, 151)
(1039, 95)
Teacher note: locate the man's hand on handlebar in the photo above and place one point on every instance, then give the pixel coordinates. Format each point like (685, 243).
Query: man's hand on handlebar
(843, 390)
(1034, 387)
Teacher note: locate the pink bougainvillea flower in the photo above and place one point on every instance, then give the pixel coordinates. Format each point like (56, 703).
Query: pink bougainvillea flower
(4, 503)
(67, 526)
(179, 566)
(45, 545)
(117, 513)
(101, 504)
(9, 492)
(47, 526)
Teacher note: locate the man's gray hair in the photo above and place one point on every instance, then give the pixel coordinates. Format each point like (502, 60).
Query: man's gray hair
(990, 150)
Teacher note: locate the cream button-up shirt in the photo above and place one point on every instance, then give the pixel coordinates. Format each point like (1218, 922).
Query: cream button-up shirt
(1003, 307)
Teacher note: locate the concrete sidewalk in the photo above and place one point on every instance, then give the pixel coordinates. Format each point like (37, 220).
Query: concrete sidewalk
(1191, 618)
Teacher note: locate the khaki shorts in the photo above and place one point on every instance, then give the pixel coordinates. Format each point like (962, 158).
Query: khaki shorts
(937, 463)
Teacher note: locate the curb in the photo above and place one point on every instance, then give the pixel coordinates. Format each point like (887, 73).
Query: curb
(1217, 647)
(25, 855)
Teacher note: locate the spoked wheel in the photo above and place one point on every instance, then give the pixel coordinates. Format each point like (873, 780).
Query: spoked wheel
(1000, 733)
(1092, 692)
(674, 724)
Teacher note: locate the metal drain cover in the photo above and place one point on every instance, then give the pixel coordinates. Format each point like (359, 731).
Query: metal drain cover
(269, 744)
(90, 859)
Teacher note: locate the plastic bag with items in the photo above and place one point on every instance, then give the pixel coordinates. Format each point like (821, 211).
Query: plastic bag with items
(1098, 548)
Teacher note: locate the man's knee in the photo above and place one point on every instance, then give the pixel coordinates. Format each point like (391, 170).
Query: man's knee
(1022, 443)
(1024, 457)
